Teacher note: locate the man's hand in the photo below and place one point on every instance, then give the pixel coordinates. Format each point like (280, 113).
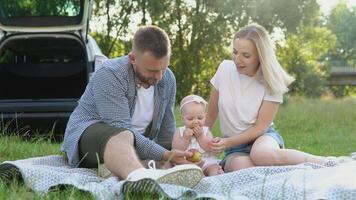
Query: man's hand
(188, 134)
(176, 156)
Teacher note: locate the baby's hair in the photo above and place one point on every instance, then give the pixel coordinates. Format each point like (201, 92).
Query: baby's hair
(192, 98)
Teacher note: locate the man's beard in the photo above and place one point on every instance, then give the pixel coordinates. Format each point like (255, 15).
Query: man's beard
(145, 82)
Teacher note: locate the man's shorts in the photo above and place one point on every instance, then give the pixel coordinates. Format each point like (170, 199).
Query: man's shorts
(92, 143)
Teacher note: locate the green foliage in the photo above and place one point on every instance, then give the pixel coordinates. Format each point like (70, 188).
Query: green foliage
(113, 17)
(302, 56)
(21, 8)
(109, 47)
(342, 22)
(340, 91)
(282, 13)
(200, 31)
(198, 45)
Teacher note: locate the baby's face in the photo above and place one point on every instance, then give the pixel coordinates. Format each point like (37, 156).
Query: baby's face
(193, 115)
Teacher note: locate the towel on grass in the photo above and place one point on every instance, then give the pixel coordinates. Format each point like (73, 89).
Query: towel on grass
(304, 181)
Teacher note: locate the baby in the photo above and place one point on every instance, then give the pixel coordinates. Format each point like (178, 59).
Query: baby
(194, 135)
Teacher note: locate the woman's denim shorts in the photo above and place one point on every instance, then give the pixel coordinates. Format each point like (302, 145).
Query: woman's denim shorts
(246, 148)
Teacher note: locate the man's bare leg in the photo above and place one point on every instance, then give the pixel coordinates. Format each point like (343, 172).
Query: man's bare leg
(120, 155)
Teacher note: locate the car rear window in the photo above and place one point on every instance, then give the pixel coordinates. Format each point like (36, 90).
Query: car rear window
(40, 12)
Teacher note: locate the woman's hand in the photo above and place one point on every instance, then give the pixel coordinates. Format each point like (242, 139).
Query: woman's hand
(218, 145)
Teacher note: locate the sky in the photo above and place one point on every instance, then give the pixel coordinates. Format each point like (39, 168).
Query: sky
(327, 5)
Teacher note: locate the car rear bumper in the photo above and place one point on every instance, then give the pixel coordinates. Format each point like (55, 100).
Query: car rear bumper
(37, 106)
(36, 115)
(57, 115)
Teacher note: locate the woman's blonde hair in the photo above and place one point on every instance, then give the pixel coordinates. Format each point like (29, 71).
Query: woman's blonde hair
(276, 78)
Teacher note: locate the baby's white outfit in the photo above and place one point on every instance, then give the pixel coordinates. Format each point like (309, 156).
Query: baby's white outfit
(193, 144)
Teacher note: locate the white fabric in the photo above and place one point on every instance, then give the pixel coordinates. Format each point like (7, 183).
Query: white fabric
(143, 113)
(193, 144)
(304, 181)
(132, 175)
(99, 59)
(137, 173)
(240, 98)
(196, 99)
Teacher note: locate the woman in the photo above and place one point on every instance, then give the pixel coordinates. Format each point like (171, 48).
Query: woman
(246, 95)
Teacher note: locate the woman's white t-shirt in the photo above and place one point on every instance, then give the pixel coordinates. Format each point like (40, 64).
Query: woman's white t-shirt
(240, 98)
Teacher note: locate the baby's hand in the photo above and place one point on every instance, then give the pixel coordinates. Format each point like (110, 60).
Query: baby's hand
(198, 131)
(188, 133)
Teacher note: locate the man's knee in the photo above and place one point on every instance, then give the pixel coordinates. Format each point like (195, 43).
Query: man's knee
(117, 142)
(122, 137)
(96, 138)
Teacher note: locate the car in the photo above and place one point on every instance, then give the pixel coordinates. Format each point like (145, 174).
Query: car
(46, 60)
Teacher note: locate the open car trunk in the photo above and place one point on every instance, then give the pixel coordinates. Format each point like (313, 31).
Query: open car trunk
(42, 67)
(44, 15)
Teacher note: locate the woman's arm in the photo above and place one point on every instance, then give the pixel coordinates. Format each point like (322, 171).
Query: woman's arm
(212, 109)
(265, 117)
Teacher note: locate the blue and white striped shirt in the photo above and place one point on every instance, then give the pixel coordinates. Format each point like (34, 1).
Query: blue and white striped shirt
(110, 97)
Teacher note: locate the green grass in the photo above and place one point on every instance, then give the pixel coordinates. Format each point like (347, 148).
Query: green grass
(14, 148)
(323, 127)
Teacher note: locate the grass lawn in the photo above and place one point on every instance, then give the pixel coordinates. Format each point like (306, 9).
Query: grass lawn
(324, 127)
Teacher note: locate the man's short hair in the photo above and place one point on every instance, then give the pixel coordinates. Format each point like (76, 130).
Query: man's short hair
(152, 39)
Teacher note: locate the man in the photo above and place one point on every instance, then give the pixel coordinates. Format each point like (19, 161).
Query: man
(126, 114)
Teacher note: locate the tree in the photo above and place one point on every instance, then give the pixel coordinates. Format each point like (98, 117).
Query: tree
(199, 39)
(282, 13)
(21, 8)
(201, 31)
(114, 17)
(302, 56)
(342, 22)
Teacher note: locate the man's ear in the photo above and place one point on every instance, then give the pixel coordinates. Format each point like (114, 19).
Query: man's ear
(132, 57)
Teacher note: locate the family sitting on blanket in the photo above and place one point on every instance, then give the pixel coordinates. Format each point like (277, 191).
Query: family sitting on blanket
(126, 112)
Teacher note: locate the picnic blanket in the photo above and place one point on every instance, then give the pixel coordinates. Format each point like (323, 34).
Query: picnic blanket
(304, 181)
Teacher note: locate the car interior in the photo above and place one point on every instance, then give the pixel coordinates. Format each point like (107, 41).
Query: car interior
(42, 68)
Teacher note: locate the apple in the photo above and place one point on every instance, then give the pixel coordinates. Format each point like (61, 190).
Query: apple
(196, 157)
